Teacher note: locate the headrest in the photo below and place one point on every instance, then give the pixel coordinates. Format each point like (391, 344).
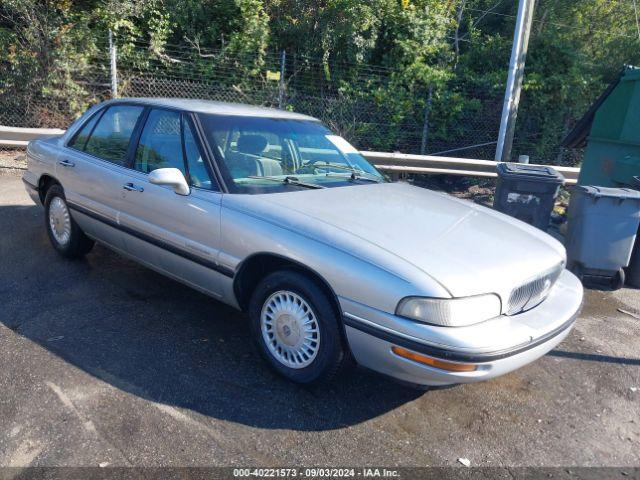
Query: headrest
(252, 144)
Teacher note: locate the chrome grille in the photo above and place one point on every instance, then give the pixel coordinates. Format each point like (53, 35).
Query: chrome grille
(533, 292)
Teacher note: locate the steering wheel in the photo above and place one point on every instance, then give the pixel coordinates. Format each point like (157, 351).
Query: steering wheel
(310, 167)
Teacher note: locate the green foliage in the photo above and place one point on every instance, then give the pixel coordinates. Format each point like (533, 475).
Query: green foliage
(575, 50)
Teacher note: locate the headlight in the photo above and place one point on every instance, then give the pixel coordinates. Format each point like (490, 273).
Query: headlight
(450, 312)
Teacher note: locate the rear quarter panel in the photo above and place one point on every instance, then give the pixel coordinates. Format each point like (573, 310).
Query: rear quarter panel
(42, 155)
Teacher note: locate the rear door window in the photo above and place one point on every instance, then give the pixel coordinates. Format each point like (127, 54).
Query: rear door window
(80, 139)
(112, 134)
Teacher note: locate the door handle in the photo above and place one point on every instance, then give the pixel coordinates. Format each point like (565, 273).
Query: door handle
(66, 163)
(132, 188)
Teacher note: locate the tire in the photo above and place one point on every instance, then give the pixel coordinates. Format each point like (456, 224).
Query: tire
(290, 322)
(64, 233)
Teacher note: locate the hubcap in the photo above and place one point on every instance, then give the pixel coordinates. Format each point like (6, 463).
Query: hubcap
(59, 221)
(290, 329)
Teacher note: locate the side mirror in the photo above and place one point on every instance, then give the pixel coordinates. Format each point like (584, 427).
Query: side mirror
(171, 177)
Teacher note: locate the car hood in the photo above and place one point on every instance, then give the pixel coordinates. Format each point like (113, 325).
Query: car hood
(467, 248)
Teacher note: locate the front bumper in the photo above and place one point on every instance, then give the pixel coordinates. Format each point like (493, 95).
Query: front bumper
(497, 346)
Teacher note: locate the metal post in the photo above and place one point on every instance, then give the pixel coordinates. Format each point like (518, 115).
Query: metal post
(514, 80)
(283, 60)
(425, 127)
(114, 70)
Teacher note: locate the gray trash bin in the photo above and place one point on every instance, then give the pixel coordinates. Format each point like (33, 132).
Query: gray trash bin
(527, 192)
(602, 228)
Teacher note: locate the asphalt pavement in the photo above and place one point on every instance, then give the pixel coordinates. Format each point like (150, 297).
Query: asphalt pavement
(104, 362)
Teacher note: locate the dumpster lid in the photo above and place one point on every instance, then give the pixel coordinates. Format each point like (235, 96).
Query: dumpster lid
(612, 192)
(577, 138)
(524, 171)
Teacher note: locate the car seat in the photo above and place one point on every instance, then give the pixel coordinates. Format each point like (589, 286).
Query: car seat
(247, 160)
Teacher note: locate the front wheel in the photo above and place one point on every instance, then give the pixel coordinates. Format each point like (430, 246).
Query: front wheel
(296, 328)
(65, 234)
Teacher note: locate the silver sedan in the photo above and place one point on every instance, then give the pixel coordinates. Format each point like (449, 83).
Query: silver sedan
(270, 212)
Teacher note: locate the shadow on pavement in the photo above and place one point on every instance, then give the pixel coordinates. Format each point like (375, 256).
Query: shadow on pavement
(155, 338)
(593, 357)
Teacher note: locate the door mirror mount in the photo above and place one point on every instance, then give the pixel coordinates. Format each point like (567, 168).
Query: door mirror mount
(171, 177)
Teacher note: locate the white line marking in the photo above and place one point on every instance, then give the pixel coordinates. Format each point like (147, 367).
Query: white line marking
(87, 424)
(24, 455)
(181, 417)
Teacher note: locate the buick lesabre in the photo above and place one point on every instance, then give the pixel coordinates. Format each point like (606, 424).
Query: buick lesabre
(272, 213)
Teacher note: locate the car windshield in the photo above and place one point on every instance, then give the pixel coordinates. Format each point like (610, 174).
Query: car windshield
(263, 155)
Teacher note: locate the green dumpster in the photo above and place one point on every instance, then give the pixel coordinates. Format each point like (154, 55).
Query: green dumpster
(610, 130)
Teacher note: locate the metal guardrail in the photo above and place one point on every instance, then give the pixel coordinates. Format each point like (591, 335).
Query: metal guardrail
(16, 137)
(394, 163)
(399, 163)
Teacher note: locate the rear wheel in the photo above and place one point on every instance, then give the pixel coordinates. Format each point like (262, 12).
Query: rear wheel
(64, 233)
(295, 328)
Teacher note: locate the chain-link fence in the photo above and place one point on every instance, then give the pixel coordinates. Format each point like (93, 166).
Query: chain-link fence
(365, 104)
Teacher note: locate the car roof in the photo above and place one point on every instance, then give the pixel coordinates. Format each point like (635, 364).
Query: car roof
(220, 108)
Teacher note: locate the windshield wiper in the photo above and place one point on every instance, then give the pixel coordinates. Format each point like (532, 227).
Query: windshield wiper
(355, 173)
(353, 177)
(288, 180)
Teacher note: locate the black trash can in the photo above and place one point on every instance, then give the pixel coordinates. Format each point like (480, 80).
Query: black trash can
(527, 192)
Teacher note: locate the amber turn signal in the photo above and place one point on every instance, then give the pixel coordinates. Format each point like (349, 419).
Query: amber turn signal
(433, 362)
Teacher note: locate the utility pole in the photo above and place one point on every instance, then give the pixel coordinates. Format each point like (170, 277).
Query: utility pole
(514, 80)
(114, 71)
